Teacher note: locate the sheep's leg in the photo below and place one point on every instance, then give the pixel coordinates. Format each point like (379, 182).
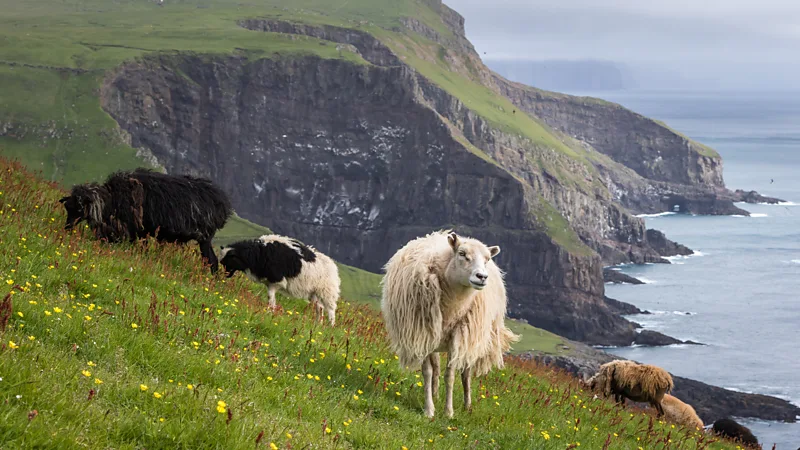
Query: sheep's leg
(427, 375)
(272, 289)
(331, 310)
(449, 378)
(659, 408)
(435, 363)
(207, 253)
(466, 382)
(320, 313)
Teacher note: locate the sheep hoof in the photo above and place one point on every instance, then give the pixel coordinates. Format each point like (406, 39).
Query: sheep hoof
(449, 413)
(429, 413)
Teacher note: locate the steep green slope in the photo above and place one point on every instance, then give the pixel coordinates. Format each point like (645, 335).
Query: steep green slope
(54, 55)
(135, 346)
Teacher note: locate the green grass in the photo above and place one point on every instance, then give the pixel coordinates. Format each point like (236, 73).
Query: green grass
(698, 147)
(59, 128)
(535, 339)
(238, 229)
(136, 346)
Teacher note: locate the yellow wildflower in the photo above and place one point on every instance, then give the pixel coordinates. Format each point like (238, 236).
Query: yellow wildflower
(142, 387)
(134, 326)
(12, 345)
(98, 381)
(86, 373)
(221, 407)
(156, 395)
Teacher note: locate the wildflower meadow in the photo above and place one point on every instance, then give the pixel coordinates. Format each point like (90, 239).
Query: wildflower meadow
(137, 346)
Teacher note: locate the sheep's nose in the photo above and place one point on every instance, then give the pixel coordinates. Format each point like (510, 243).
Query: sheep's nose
(482, 276)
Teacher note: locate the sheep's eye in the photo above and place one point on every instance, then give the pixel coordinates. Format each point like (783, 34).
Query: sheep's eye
(462, 254)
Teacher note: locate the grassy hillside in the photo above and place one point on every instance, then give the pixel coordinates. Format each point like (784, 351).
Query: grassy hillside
(55, 53)
(136, 346)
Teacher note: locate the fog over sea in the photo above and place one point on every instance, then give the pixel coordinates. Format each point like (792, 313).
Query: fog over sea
(741, 293)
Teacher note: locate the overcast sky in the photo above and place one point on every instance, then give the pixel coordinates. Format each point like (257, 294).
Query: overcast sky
(736, 40)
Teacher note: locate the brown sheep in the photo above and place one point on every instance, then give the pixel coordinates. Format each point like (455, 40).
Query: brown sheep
(680, 413)
(628, 379)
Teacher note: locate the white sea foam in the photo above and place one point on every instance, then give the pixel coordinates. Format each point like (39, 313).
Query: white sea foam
(795, 261)
(788, 204)
(645, 280)
(666, 213)
(751, 215)
(675, 258)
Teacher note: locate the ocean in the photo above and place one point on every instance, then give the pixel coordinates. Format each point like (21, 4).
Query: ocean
(740, 294)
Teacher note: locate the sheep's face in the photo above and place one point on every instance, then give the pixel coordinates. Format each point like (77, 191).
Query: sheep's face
(74, 210)
(469, 261)
(595, 383)
(230, 261)
(83, 203)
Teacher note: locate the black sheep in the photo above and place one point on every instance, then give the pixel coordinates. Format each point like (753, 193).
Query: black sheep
(730, 429)
(132, 205)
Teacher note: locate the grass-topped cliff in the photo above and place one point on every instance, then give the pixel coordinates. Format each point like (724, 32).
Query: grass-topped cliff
(135, 346)
(354, 125)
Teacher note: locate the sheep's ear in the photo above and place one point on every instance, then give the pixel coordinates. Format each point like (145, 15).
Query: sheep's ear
(452, 238)
(63, 199)
(221, 247)
(494, 250)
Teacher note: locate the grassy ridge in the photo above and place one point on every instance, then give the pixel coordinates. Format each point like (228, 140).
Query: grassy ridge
(133, 346)
(54, 54)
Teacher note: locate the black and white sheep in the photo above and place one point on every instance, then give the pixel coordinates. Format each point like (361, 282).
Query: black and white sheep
(141, 203)
(288, 265)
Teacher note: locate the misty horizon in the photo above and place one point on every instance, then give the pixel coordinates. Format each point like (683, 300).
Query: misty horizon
(720, 45)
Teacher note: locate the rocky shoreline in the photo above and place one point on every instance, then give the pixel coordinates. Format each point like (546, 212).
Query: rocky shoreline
(710, 402)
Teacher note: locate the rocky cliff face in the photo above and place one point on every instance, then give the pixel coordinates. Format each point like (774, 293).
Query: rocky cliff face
(356, 160)
(657, 169)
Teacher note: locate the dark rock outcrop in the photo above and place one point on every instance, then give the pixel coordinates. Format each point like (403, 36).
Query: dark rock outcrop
(754, 197)
(652, 338)
(666, 247)
(617, 277)
(623, 308)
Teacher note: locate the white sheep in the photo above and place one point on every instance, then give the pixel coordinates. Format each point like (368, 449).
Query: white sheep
(288, 265)
(443, 293)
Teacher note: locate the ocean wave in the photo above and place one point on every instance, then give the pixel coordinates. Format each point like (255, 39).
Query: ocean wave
(666, 213)
(788, 204)
(679, 313)
(675, 258)
(645, 280)
(751, 215)
(772, 391)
